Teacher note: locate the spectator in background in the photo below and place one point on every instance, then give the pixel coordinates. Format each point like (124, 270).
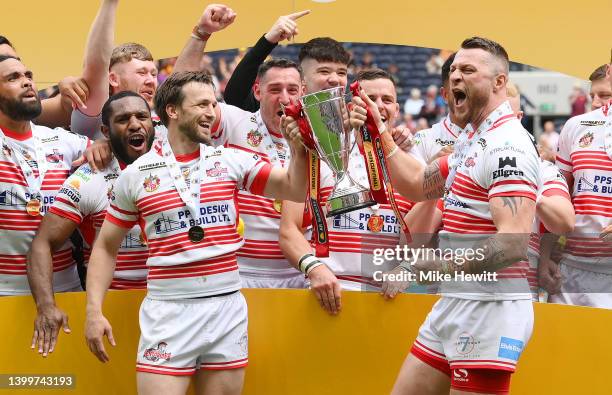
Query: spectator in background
(548, 142)
(414, 103)
(393, 71)
(408, 123)
(206, 64)
(367, 61)
(578, 100)
(430, 109)
(600, 93)
(422, 124)
(165, 67)
(434, 64)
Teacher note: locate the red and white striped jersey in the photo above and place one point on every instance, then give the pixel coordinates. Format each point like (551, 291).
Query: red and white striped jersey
(582, 152)
(17, 227)
(261, 253)
(500, 160)
(145, 194)
(552, 183)
(83, 199)
(354, 236)
(428, 142)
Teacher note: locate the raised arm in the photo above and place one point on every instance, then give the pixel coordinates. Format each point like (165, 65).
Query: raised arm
(98, 52)
(216, 17)
(52, 234)
(238, 90)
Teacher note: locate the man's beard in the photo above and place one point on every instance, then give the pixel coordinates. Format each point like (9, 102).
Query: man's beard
(17, 110)
(190, 129)
(120, 150)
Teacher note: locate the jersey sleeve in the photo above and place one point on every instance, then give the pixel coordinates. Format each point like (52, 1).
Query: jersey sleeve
(511, 170)
(564, 149)
(69, 200)
(253, 171)
(122, 210)
(75, 144)
(552, 182)
(419, 150)
(85, 125)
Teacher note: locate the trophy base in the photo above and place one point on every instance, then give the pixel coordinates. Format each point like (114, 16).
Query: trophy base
(351, 202)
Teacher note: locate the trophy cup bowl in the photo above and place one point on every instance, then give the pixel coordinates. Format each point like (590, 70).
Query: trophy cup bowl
(328, 118)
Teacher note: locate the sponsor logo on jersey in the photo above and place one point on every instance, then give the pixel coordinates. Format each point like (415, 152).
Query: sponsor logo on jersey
(444, 143)
(74, 183)
(111, 176)
(49, 139)
(507, 147)
(466, 343)
(482, 142)
(216, 171)
(470, 162)
(503, 162)
(599, 184)
(11, 198)
(510, 348)
(254, 138)
(151, 183)
(592, 123)
(157, 353)
(585, 140)
(454, 202)
(151, 166)
(55, 156)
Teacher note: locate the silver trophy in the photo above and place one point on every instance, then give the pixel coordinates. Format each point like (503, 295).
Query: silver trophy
(328, 118)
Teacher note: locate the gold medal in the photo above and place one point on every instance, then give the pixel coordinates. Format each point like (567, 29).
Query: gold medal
(375, 223)
(278, 205)
(195, 234)
(33, 207)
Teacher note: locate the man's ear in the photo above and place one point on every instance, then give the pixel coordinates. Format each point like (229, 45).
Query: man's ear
(105, 131)
(113, 79)
(500, 82)
(172, 111)
(257, 91)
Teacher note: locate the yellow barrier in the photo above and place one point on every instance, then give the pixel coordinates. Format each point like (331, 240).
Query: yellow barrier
(296, 348)
(572, 38)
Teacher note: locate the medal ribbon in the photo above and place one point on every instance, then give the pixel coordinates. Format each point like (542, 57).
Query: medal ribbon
(378, 165)
(319, 224)
(607, 110)
(34, 183)
(190, 195)
(269, 145)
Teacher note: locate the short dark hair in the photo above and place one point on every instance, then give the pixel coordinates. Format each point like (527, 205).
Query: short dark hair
(598, 74)
(373, 74)
(324, 49)
(489, 46)
(171, 91)
(4, 40)
(280, 63)
(446, 68)
(128, 51)
(107, 110)
(6, 57)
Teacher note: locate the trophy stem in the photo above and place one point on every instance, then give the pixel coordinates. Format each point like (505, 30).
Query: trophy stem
(348, 195)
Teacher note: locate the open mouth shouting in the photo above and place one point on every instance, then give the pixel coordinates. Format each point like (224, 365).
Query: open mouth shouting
(137, 141)
(459, 97)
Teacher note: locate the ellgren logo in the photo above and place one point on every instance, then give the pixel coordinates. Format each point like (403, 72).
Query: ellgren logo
(510, 348)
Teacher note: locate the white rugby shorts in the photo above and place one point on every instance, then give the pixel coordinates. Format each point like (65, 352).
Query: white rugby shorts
(179, 337)
(475, 334)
